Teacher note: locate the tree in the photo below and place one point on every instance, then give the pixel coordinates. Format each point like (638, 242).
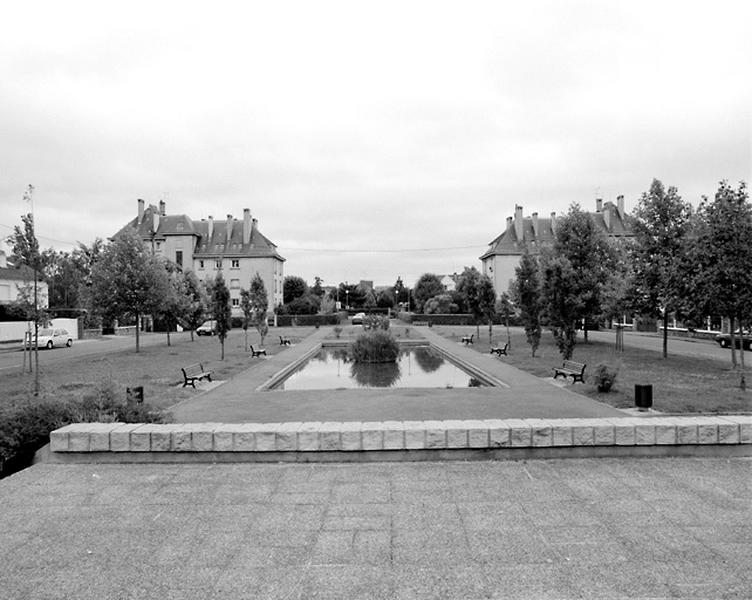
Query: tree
(318, 289)
(440, 305)
(661, 224)
(505, 309)
(427, 286)
(195, 311)
(176, 302)
(128, 281)
(721, 253)
(562, 304)
(401, 293)
(526, 292)
(385, 299)
(247, 308)
(468, 289)
(293, 287)
(260, 305)
(221, 309)
(487, 303)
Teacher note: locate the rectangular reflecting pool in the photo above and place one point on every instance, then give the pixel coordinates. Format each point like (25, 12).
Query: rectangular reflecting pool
(417, 367)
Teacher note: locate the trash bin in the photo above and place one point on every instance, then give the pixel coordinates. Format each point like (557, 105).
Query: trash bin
(643, 395)
(135, 394)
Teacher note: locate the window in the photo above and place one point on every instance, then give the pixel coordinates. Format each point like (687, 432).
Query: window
(179, 258)
(234, 284)
(235, 264)
(236, 301)
(159, 245)
(218, 263)
(201, 264)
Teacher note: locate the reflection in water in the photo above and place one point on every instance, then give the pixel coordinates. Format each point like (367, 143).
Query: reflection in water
(379, 375)
(428, 360)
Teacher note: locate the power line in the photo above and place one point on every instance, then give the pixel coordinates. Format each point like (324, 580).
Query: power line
(381, 251)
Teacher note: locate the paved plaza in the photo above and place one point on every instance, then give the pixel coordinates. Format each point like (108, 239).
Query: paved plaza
(575, 528)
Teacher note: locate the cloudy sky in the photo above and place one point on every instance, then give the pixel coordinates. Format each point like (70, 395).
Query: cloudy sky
(370, 140)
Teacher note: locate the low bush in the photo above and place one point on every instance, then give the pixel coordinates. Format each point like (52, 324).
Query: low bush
(374, 347)
(26, 425)
(604, 377)
(376, 322)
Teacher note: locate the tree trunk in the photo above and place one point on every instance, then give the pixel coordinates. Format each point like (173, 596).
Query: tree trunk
(222, 354)
(246, 339)
(138, 339)
(168, 335)
(490, 331)
(742, 381)
(732, 326)
(665, 334)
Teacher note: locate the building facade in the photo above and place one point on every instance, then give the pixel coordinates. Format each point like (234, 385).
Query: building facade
(529, 234)
(17, 284)
(235, 247)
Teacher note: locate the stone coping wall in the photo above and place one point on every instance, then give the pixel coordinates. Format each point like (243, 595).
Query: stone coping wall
(403, 435)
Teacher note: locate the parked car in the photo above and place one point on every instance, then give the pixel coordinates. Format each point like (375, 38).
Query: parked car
(724, 339)
(49, 338)
(358, 318)
(207, 328)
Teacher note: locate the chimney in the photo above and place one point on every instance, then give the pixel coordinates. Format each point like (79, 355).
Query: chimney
(598, 204)
(535, 225)
(553, 223)
(211, 229)
(3, 260)
(229, 227)
(518, 222)
(509, 223)
(607, 216)
(620, 205)
(254, 223)
(140, 211)
(162, 208)
(246, 226)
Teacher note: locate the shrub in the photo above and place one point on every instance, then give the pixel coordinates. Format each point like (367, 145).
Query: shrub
(337, 331)
(604, 377)
(374, 347)
(376, 322)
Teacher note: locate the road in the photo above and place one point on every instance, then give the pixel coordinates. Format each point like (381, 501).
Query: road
(677, 346)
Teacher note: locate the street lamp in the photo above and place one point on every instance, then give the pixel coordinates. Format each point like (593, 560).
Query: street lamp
(347, 299)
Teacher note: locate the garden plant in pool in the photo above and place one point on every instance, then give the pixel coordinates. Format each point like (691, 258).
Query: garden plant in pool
(375, 360)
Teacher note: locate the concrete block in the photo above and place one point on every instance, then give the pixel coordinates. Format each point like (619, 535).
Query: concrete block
(686, 431)
(520, 433)
(728, 430)
(372, 435)
(245, 438)
(745, 427)
(624, 432)
(140, 439)
(541, 432)
(78, 441)
(498, 433)
(202, 437)
(394, 435)
(644, 432)
(308, 437)
(329, 435)
(707, 431)
(224, 437)
(477, 434)
(120, 437)
(160, 437)
(415, 435)
(435, 435)
(59, 440)
(665, 433)
(582, 432)
(350, 437)
(561, 432)
(286, 438)
(456, 434)
(603, 433)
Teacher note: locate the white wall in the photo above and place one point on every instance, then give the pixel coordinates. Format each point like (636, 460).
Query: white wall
(14, 330)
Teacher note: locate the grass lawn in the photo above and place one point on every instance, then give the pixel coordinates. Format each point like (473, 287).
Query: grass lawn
(681, 384)
(156, 367)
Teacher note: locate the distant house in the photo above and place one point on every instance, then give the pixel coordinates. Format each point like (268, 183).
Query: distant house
(15, 282)
(235, 247)
(449, 282)
(531, 233)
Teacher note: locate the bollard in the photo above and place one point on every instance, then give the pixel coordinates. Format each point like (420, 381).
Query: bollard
(643, 396)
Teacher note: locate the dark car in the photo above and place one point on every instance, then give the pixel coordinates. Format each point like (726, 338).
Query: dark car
(724, 340)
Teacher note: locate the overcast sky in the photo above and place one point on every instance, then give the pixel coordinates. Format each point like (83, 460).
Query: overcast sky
(370, 140)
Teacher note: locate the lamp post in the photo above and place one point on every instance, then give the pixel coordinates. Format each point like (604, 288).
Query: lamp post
(347, 299)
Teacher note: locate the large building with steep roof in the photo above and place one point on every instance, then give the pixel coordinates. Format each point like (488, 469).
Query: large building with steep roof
(531, 233)
(234, 246)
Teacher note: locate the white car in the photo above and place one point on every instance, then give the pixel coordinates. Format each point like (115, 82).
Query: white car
(207, 328)
(49, 338)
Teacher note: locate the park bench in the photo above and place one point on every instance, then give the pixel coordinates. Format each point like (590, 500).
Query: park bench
(194, 373)
(468, 339)
(284, 341)
(501, 350)
(572, 369)
(259, 352)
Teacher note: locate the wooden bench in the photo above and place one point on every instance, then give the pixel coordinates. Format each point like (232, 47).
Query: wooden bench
(259, 352)
(572, 369)
(468, 339)
(194, 373)
(284, 341)
(501, 350)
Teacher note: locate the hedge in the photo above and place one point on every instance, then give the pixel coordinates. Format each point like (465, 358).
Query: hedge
(309, 320)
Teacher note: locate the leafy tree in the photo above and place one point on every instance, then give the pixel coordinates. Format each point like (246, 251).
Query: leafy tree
(369, 299)
(260, 305)
(351, 294)
(305, 305)
(468, 288)
(401, 293)
(318, 289)
(293, 287)
(527, 295)
(176, 303)
(221, 309)
(195, 310)
(247, 308)
(487, 303)
(128, 281)
(562, 305)
(661, 224)
(440, 305)
(427, 286)
(722, 257)
(505, 309)
(385, 299)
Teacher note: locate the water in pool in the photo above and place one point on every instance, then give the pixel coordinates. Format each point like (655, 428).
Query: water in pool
(420, 367)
